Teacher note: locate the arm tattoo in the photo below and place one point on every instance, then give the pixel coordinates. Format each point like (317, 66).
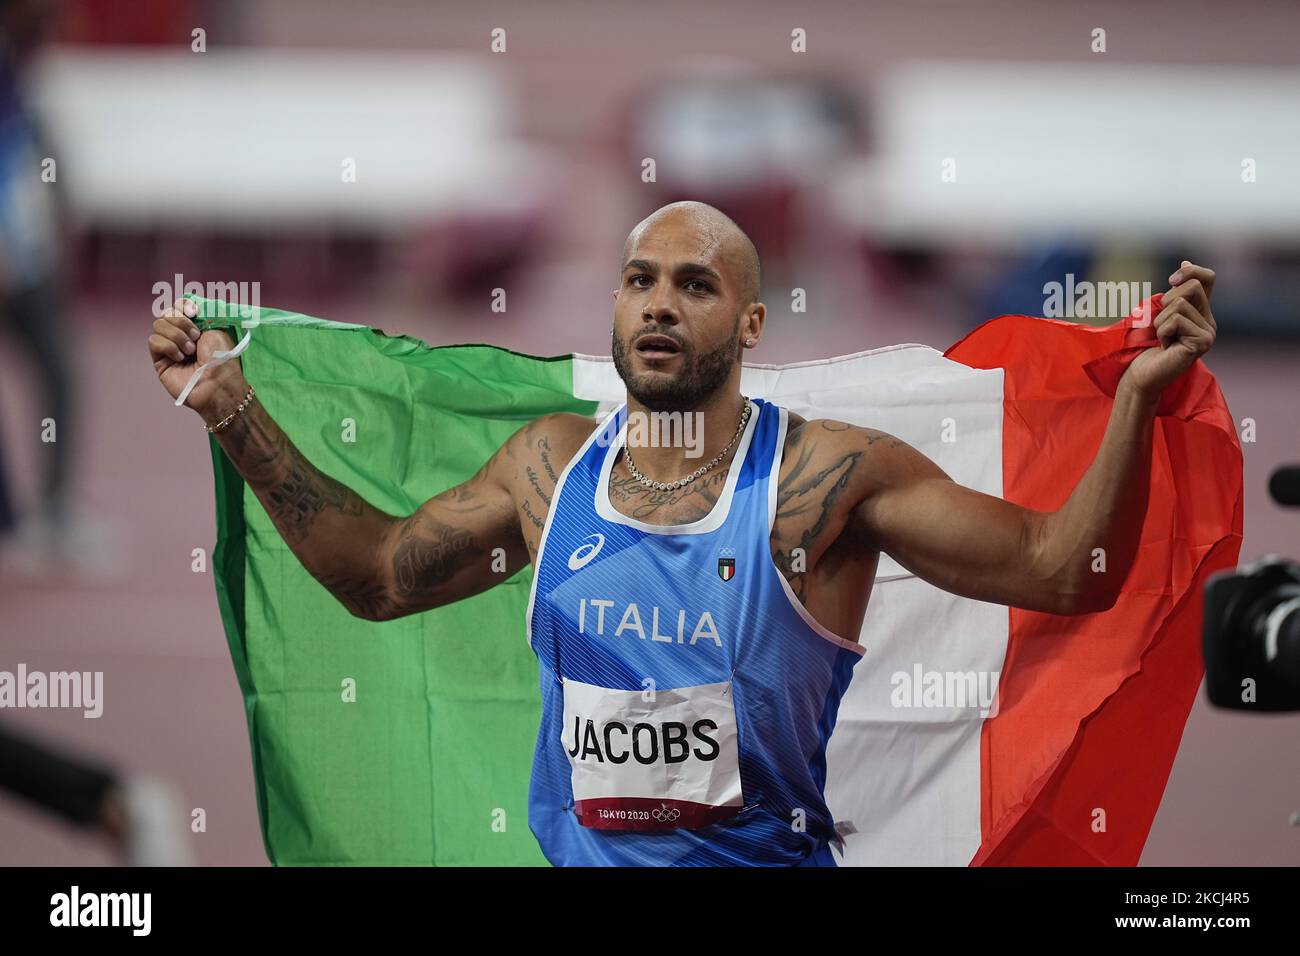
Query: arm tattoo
(331, 529)
(461, 499)
(808, 496)
(303, 494)
(367, 597)
(532, 480)
(544, 446)
(528, 510)
(427, 556)
(294, 492)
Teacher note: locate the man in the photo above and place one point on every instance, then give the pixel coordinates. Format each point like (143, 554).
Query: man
(694, 615)
(51, 533)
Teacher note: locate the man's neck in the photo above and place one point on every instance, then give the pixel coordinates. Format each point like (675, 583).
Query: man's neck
(667, 446)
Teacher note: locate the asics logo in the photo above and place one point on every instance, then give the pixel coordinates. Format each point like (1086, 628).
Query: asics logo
(583, 554)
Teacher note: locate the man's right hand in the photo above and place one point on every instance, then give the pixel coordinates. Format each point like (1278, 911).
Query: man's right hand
(176, 348)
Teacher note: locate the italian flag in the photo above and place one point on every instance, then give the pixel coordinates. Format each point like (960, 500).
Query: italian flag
(971, 734)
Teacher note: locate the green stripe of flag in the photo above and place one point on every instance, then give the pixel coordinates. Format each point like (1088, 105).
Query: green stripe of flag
(430, 765)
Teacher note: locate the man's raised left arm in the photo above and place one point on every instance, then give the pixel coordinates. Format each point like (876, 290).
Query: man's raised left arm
(983, 547)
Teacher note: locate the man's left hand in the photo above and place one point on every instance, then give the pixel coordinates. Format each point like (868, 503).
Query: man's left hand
(1185, 329)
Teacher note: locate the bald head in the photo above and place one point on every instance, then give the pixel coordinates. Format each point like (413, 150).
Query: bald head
(733, 247)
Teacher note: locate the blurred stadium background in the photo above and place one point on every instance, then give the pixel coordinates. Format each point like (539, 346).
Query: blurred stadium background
(522, 169)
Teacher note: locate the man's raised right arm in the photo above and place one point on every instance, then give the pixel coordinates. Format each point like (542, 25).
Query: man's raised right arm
(377, 565)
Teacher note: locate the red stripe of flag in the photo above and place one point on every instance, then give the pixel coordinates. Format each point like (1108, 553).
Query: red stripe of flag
(1092, 708)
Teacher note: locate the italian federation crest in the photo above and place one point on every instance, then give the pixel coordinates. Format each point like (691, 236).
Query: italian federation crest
(727, 564)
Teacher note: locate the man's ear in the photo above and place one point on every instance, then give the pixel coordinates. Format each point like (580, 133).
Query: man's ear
(752, 324)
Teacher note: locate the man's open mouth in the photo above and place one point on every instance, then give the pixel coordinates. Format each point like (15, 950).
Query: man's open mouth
(656, 346)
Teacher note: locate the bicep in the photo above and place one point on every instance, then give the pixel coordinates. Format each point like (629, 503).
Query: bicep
(458, 543)
(961, 540)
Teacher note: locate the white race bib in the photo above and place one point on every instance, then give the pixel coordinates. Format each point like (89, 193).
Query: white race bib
(652, 764)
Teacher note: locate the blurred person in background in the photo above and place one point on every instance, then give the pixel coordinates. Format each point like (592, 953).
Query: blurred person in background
(139, 816)
(52, 534)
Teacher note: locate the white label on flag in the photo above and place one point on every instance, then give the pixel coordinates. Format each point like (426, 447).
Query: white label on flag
(661, 763)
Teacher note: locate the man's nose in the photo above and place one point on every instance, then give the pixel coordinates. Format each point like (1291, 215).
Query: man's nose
(660, 309)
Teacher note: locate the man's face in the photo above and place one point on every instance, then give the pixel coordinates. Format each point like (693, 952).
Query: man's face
(676, 316)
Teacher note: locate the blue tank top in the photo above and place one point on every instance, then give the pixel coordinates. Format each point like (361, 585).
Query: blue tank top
(687, 695)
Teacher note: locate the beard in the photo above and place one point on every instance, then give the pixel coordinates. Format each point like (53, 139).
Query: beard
(700, 376)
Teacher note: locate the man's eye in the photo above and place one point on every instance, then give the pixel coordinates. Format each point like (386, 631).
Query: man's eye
(704, 286)
(635, 277)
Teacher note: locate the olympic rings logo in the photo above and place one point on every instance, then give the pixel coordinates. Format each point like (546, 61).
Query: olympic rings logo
(665, 814)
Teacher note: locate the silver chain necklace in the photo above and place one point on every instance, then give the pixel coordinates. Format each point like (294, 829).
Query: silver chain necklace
(673, 485)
